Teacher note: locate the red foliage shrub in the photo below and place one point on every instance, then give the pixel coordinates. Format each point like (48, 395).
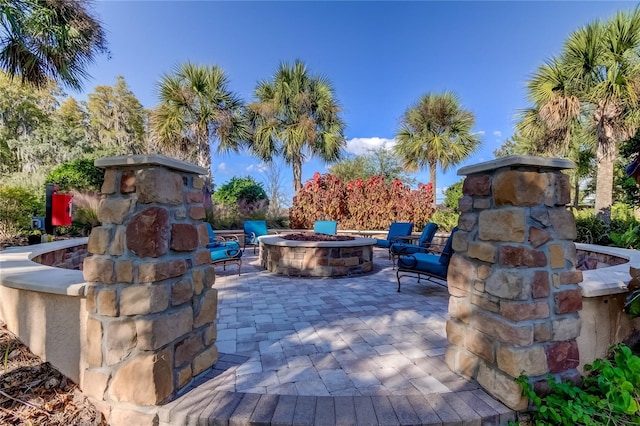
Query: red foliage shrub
(359, 204)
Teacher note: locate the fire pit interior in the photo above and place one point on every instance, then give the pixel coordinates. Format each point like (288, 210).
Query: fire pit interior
(311, 236)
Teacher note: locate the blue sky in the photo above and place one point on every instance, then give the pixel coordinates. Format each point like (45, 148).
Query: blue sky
(380, 56)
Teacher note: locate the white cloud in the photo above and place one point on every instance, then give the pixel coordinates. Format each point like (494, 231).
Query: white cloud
(222, 167)
(261, 167)
(497, 133)
(360, 146)
(480, 133)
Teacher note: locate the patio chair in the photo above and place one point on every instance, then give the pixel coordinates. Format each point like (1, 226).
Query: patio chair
(423, 244)
(329, 227)
(253, 229)
(397, 229)
(427, 265)
(223, 250)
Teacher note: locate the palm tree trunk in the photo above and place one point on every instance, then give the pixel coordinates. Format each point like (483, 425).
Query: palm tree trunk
(432, 178)
(605, 158)
(296, 164)
(576, 189)
(204, 160)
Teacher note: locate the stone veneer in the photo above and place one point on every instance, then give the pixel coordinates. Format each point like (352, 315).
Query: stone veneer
(514, 295)
(66, 258)
(316, 258)
(151, 306)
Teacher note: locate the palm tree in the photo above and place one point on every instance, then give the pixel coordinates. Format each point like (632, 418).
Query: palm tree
(196, 107)
(596, 77)
(42, 39)
(436, 130)
(296, 115)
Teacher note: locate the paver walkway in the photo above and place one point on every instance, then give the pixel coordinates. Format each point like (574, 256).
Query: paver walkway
(331, 351)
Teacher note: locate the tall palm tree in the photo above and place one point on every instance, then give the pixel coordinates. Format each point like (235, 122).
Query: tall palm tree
(597, 77)
(436, 130)
(197, 107)
(295, 116)
(42, 39)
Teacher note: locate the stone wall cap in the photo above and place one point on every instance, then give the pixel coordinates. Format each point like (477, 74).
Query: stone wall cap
(281, 242)
(609, 280)
(19, 271)
(515, 161)
(151, 160)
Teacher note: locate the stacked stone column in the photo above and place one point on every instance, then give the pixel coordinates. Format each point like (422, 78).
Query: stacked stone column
(151, 305)
(514, 294)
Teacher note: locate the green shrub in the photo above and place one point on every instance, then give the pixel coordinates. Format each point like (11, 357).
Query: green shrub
(623, 231)
(446, 220)
(590, 229)
(608, 395)
(17, 206)
(239, 189)
(78, 174)
(629, 239)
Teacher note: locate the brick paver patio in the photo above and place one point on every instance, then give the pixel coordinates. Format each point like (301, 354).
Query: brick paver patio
(331, 351)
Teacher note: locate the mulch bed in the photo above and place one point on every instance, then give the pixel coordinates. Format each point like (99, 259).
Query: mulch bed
(21, 240)
(32, 392)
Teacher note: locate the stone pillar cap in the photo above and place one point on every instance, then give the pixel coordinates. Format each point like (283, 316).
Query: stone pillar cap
(149, 160)
(515, 161)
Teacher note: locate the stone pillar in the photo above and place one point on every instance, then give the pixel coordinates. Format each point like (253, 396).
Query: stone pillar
(514, 294)
(151, 306)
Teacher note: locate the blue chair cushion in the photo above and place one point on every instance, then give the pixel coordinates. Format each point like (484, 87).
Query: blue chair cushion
(329, 227)
(397, 229)
(424, 241)
(383, 243)
(226, 250)
(402, 248)
(211, 234)
(427, 235)
(254, 229)
(447, 252)
(423, 262)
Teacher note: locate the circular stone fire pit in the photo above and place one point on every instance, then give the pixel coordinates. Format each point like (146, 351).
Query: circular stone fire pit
(316, 258)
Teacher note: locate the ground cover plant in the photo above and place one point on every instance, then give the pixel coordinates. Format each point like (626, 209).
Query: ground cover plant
(623, 231)
(609, 393)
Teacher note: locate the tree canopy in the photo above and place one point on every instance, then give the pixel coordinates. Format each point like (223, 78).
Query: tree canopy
(240, 188)
(296, 115)
(436, 131)
(592, 86)
(197, 108)
(49, 39)
(377, 162)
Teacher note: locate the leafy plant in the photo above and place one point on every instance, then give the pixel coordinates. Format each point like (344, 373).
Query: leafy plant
(632, 304)
(451, 196)
(446, 221)
(361, 204)
(609, 394)
(590, 229)
(629, 239)
(85, 211)
(78, 174)
(17, 205)
(240, 188)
